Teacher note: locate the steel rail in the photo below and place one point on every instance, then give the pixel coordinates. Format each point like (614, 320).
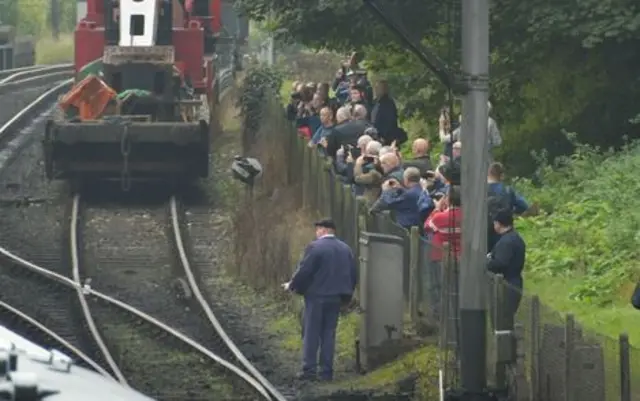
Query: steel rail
(26, 72)
(24, 113)
(11, 71)
(56, 337)
(141, 315)
(86, 310)
(193, 284)
(38, 80)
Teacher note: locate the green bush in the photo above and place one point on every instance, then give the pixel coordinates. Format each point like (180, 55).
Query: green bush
(259, 82)
(588, 225)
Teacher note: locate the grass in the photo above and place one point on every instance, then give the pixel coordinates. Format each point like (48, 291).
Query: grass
(582, 252)
(50, 51)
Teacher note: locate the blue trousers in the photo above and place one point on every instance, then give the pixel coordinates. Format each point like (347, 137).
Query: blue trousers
(320, 321)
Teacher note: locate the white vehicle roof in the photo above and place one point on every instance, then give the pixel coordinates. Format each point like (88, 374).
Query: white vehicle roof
(53, 371)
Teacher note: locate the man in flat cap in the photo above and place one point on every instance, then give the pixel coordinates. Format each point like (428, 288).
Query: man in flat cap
(326, 277)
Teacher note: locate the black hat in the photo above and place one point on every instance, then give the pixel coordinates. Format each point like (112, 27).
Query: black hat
(504, 217)
(326, 223)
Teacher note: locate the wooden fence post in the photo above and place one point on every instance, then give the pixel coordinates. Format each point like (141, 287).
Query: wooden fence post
(569, 337)
(414, 273)
(625, 368)
(534, 358)
(325, 192)
(499, 323)
(306, 176)
(362, 210)
(351, 218)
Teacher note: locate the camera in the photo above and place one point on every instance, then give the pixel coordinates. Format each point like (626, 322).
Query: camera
(354, 152)
(246, 169)
(437, 196)
(296, 96)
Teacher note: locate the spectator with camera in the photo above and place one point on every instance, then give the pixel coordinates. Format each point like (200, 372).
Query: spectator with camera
(326, 99)
(326, 127)
(391, 166)
(367, 172)
(294, 101)
(449, 137)
(307, 120)
(443, 226)
(341, 85)
(401, 198)
(346, 157)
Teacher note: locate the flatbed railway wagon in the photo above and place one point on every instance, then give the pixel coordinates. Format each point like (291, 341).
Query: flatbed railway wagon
(145, 87)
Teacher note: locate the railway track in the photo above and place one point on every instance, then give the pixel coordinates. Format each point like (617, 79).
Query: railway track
(56, 308)
(115, 336)
(144, 255)
(13, 80)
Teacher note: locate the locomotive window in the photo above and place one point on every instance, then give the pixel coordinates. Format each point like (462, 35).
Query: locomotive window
(136, 25)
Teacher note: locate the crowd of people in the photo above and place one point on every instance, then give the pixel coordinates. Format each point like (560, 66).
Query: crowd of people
(357, 129)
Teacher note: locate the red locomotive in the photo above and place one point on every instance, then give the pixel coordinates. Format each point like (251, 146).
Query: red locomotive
(147, 78)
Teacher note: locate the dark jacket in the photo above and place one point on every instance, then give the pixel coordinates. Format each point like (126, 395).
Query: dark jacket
(346, 133)
(518, 202)
(635, 298)
(403, 202)
(397, 174)
(422, 163)
(507, 258)
(384, 117)
(328, 268)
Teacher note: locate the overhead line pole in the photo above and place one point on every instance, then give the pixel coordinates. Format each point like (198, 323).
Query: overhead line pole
(475, 160)
(473, 85)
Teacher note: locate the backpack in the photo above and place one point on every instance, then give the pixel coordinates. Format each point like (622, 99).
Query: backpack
(500, 200)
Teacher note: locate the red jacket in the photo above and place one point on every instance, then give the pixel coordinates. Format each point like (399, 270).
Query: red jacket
(445, 227)
(305, 132)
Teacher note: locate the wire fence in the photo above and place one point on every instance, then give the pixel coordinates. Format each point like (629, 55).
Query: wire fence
(536, 355)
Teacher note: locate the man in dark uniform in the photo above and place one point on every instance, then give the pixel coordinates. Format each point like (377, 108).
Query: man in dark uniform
(326, 278)
(507, 258)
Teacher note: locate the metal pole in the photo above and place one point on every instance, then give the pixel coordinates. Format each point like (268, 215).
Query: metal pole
(271, 51)
(55, 19)
(475, 160)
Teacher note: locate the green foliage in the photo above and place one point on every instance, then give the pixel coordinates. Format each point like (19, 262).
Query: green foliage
(332, 23)
(259, 83)
(589, 222)
(33, 17)
(50, 51)
(554, 65)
